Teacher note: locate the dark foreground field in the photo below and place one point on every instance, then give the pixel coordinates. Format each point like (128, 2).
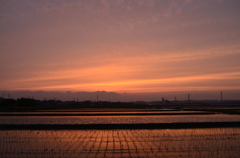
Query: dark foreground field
(191, 125)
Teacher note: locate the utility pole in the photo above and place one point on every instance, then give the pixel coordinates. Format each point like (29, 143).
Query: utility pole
(188, 97)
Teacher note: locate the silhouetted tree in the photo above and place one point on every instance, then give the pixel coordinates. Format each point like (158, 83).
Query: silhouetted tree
(7, 102)
(26, 102)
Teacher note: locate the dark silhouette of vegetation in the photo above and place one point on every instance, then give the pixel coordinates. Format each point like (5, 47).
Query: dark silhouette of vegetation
(7, 102)
(26, 102)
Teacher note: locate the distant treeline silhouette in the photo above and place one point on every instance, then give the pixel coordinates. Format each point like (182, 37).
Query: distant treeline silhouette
(15, 104)
(29, 102)
(19, 102)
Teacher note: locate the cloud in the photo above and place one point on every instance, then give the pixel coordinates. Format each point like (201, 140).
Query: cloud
(120, 45)
(188, 1)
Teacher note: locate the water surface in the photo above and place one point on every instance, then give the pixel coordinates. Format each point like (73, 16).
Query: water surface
(130, 119)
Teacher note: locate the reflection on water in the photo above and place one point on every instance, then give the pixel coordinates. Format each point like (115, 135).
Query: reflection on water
(117, 119)
(106, 113)
(217, 142)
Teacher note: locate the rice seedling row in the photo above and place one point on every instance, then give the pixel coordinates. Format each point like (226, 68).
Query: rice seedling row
(214, 142)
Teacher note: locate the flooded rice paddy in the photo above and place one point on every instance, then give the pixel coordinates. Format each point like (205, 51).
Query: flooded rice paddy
(215, 142)
(131, 119)
(39, 135)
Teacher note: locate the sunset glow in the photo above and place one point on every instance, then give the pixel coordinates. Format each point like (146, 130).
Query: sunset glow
(120, 45)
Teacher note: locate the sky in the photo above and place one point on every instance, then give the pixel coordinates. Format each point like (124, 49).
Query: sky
(122, 46)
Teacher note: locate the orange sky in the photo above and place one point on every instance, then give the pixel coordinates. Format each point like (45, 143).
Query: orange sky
(121, 46)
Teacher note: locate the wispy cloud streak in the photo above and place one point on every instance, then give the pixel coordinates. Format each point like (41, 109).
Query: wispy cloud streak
(122, 45)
